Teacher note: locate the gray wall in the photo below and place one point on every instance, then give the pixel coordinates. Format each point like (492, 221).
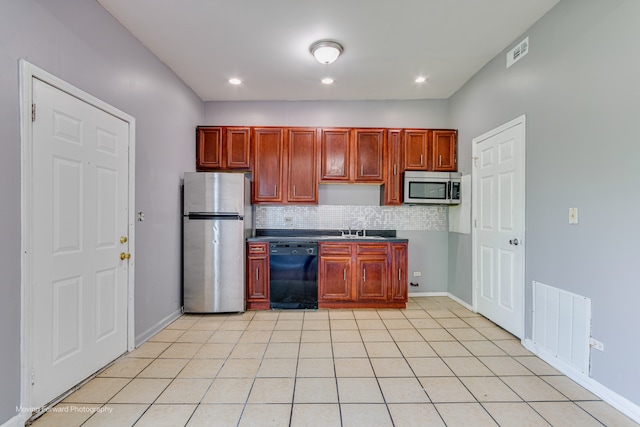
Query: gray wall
(579, 88)
(419, 114)
(78, 41)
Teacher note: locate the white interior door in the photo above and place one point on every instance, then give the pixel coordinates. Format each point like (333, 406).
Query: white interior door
(79, 227)
(498, 259)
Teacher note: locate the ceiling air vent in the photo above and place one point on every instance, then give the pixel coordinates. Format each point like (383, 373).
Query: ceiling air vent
(518, 52)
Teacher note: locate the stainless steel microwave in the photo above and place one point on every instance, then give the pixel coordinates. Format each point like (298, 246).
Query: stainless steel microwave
(436, 188)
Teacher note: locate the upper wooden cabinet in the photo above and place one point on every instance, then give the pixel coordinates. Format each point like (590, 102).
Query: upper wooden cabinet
(268, 147)
(416, 149)
(208, 148)
(302, 165)
(369, 155)
(335, 155)
(237, 145)
(222, 148)
(444, 150)
(352, 155)
(286, 162)
(392, 189)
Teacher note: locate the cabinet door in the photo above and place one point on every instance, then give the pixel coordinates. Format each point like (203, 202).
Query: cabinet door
(208, 148)
(444, 150)
(398, 273)
(371, 278)
(257, 279)
(416, 143)
(237, 143)
(302, 176)
(369, 155)
(393, 183)
(267, 170)
(335, 155)
(334, 279)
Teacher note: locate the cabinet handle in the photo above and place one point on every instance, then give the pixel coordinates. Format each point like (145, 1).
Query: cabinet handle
(399, 275)
(440, 160)
(344, 274)
(364, 274)
(395, 169)
(275, 190)
(257, 275)
(361, 170)
(421, 159)
(294, 191)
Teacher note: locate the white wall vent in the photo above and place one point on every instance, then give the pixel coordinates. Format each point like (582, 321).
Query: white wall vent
(562, 325)
(518, 52)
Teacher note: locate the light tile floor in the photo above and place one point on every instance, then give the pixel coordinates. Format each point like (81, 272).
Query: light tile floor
(434, 364)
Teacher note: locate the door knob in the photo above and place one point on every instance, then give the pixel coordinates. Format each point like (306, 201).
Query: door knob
(123, 239)
(513, 242)
(124, 256)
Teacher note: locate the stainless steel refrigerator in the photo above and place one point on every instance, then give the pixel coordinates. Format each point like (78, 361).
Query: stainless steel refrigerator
(217, 220)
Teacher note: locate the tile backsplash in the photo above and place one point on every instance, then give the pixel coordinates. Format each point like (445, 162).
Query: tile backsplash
(429, 218)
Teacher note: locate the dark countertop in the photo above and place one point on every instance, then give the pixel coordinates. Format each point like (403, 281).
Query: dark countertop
(281, 235)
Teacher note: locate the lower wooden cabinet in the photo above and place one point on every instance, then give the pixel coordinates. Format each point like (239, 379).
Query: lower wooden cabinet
(398, 273)
(258, 276)
(362, 275)
(350, 275)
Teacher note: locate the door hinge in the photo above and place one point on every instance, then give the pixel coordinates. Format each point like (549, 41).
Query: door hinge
(33, 376)
(475, 223)
(33, 112)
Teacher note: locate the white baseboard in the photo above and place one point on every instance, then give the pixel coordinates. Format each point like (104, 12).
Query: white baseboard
(441, 294)
(17, 421)
(462, 303)
(144, 336)
(622, 404)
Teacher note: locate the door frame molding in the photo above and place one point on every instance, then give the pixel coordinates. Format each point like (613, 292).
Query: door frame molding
(521, 120)
(28, 72)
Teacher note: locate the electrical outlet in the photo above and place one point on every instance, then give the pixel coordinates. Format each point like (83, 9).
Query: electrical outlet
(595, 344)
(573, 215)
(417, 273)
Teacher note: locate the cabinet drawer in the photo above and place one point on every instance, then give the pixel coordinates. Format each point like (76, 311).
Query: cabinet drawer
(372, 248)
(335, 249)
(258, 248)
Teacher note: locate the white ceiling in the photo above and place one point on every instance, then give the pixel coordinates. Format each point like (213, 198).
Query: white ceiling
(387, 44)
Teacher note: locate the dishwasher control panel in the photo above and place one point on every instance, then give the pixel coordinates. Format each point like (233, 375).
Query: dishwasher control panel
(293, 248)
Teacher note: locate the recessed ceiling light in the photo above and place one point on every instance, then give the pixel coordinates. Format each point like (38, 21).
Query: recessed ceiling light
(235, 81)
(420, 79)
(327, 80)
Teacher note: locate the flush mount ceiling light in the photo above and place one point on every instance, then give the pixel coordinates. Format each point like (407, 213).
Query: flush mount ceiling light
(327, 80)
(420, 79)
(235, 81)
(326, 51)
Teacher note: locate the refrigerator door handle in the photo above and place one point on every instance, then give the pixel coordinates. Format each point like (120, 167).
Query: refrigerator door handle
(215, 216)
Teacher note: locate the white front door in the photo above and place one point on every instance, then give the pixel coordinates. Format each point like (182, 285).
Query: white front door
(79, 227)
(498, 259)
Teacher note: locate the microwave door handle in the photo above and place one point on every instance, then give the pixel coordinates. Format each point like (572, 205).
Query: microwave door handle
(449, 190)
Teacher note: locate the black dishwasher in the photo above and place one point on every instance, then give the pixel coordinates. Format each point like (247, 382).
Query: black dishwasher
(294, 275)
